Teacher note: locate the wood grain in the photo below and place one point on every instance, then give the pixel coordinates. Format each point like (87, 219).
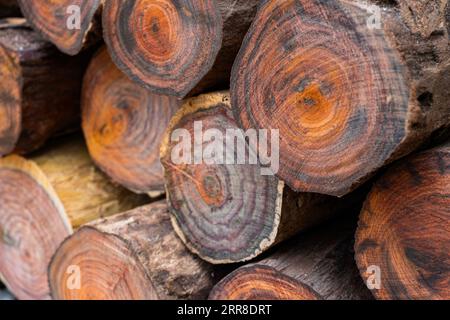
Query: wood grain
(50, 18)
(348, 96)
(404, 228)
(145, 260)
(230, 212)
(177, 48)
(316, 265)
(43, 199)
(124, 124)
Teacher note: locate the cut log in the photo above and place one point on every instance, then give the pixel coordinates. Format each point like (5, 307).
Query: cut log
(42, 200)
(321, 261)
(71, 25)
(9, 8)
(40, 90)
(145, 261)
(404, 230)
(177, 48)
(228, 211)
(124, 124)
(348, 95)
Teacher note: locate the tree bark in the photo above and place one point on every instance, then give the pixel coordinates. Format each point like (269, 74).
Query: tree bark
(230, 213)
(177, 48)
(403, 230)
(43, 200)
(321, 261)
(57, 22)
(9, 8)
(348, 95)
(146, 260)
(116, 114)
(40, 92)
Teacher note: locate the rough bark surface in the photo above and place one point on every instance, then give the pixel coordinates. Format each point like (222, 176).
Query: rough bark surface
(348, 95)
(146, 260)
(321, 260)
(40, 91)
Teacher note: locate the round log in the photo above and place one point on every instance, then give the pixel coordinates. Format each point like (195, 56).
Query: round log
(352, 85)
(123, 124)
(321, 260)
(145, 260)
(40, 91)
(225, 211)
(177, 48)
(71, 25)
(43, 200)
(259, 282)
(404, 229)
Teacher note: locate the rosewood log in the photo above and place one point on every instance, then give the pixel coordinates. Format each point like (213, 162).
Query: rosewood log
(231, 212)
(404, 229)
(43, 200)
(57, 22)
(40, 89)
(144, 260)
(177, 48)
(352, 85)
(124, 124)
(316, 265)
(9, 8)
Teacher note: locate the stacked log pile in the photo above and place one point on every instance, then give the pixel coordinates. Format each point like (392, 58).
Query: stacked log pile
(40, 92)
(43, 200)
(316, 265)
(146, 260)
(133, 162)
(348, 98)
(229, 213)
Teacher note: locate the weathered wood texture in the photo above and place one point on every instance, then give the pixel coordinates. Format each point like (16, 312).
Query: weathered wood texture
(229, 213)
(42, 201)
(404, 229)
(144, 260)
(177, 48)
(124, 124)
(348, 95)
(321, 260)
(40, 89)
(9, 8)
(57, 22)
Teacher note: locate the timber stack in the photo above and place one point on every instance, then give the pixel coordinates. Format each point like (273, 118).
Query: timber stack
(44, 198)
(225, 149)
(40, 91)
